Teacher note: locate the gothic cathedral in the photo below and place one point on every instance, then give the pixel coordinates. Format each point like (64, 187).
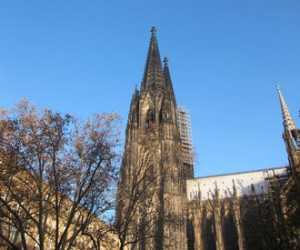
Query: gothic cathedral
(161, 206)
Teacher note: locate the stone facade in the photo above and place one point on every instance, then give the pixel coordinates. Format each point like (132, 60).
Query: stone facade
(153, 159)
(160, 204)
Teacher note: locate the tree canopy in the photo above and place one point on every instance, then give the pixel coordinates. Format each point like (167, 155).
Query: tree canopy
(56, 176)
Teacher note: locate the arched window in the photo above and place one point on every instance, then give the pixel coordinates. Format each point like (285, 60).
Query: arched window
(150, 118)
(164, 113)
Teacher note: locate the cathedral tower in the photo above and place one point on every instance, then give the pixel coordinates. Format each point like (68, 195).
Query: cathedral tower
(152, 187)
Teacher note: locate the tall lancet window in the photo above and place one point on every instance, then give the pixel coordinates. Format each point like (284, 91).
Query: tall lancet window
(150, 118)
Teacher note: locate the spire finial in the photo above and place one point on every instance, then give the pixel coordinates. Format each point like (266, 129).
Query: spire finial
(234, 187)
(153, 31)
(166, 60)
(277, 85)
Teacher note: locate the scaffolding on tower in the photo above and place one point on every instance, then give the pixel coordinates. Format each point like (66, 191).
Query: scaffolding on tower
(184, 124)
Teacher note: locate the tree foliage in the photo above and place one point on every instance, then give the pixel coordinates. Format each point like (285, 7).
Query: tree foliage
(56, 176)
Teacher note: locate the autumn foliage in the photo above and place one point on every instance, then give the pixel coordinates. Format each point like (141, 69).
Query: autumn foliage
(56, 177)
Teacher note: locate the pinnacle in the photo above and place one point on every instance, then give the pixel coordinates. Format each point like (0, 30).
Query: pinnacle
(166, 60)
(287, 118)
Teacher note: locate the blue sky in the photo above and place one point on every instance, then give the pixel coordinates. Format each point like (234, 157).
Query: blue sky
(85, 57)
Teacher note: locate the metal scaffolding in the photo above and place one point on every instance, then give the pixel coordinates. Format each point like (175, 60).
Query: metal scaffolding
(184, 124)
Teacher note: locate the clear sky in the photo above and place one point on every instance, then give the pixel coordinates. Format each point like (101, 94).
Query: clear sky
(85, 57)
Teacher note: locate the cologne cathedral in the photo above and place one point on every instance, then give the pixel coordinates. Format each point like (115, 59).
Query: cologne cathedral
(162, 206)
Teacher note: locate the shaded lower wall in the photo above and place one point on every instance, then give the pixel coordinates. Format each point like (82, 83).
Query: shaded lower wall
(232, 224)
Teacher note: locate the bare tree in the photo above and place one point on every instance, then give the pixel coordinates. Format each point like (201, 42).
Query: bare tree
(56, 176)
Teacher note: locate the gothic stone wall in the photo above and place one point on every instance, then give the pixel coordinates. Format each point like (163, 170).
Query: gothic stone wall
(232, 224)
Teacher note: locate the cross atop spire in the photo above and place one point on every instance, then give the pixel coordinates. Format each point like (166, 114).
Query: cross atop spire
(153, 31)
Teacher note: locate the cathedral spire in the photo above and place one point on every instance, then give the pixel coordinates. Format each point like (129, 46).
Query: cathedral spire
(166, 71)
(288, 122)
(153, 74)
(291, 134)
(167, 77)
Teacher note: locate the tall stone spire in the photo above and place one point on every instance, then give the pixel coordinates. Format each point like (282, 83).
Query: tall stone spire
(288, 122)
(153, 75)
(291, 136)
(167, 77)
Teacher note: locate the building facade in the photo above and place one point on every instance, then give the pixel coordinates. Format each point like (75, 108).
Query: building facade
(162, 206)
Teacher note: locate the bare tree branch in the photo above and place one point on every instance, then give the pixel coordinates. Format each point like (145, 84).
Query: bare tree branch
(57, 173)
